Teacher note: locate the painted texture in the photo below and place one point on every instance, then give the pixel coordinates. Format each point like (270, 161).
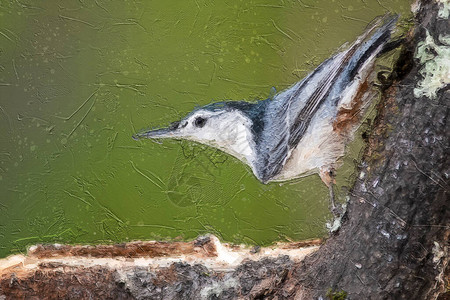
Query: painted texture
(78, 78)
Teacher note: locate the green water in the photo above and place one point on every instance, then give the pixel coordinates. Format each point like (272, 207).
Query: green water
(78, 78)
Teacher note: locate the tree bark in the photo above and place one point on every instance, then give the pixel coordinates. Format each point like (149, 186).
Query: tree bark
(393, 243)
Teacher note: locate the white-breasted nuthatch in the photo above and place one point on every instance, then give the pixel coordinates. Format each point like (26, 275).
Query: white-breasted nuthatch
(301, 130)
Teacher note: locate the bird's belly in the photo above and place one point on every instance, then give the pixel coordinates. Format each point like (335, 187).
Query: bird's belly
(319, 147)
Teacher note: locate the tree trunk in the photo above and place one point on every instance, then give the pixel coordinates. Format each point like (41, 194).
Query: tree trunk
(393, 243)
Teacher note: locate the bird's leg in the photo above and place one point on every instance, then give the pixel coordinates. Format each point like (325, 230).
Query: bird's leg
(333, 204)
(328, 174)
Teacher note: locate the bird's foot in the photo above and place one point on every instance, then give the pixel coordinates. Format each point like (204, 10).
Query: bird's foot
(328, 174)
(336, 210)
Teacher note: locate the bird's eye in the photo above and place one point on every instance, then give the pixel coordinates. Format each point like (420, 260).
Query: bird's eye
(199, 122)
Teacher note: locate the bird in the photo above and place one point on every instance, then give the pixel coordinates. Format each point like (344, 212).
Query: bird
(299, 131)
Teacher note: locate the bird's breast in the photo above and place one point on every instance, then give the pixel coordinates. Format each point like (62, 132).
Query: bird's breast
(320, 146)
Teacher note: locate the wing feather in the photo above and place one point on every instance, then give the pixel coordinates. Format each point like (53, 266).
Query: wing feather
(290, 113)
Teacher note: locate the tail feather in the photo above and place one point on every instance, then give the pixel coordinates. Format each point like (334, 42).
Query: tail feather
(377, 35)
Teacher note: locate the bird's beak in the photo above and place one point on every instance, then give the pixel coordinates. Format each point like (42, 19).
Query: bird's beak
(162, 133)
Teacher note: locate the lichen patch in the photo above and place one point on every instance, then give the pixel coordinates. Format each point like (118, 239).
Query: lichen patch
(435, 66)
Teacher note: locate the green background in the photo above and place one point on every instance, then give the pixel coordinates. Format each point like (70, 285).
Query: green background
(78, 78)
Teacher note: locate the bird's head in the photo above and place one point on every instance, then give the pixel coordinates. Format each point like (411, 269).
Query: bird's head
(219, 125)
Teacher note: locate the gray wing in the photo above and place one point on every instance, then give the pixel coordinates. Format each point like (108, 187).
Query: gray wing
(289, 114)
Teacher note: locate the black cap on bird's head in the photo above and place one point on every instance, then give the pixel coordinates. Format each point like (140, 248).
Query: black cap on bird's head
(207, 121)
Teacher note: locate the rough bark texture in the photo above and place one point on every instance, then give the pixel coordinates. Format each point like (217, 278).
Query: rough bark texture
(393, 243)
(398, 208)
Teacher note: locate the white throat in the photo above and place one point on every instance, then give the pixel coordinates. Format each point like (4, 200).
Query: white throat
(231, 134)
